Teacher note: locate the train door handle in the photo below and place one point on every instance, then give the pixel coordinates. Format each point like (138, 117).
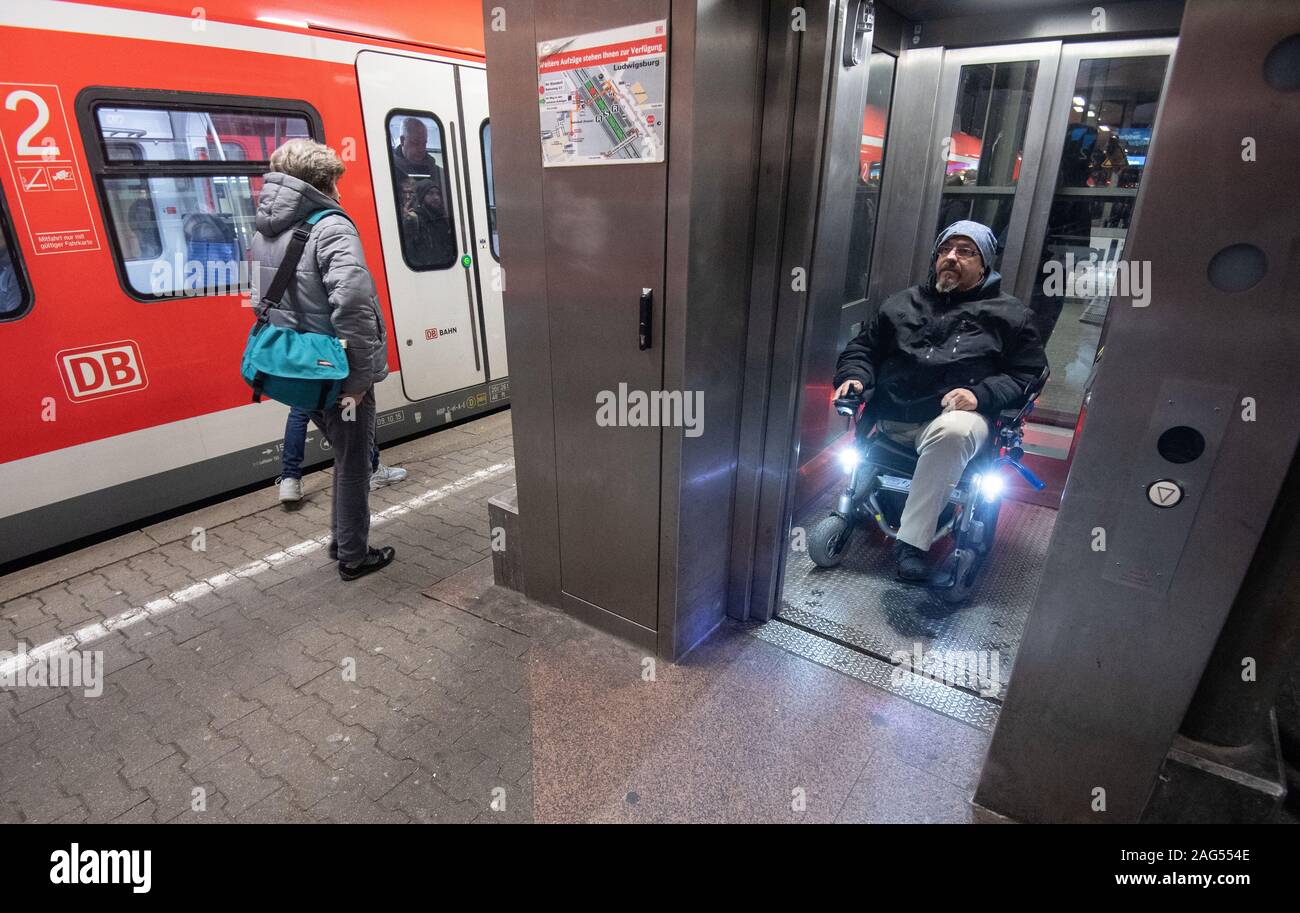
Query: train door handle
(643, 330)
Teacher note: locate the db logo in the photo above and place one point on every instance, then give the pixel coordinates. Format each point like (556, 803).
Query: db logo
(92, 372)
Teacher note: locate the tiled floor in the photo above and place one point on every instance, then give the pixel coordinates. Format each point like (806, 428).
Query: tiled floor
(230, 692)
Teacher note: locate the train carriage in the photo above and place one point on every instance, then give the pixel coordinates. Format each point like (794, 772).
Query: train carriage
(134, 138)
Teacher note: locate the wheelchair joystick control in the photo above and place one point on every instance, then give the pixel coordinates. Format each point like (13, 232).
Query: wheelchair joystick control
(848, 405)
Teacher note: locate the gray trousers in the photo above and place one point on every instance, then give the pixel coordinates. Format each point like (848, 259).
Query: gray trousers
(350, 432)
(945, 445)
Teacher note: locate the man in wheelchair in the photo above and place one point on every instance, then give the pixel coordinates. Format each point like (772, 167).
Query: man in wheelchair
(936, 364)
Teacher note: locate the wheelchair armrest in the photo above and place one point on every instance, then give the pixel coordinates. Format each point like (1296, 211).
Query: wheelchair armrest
(1020, 410)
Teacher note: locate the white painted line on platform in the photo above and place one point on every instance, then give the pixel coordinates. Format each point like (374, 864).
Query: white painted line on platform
(209, 585)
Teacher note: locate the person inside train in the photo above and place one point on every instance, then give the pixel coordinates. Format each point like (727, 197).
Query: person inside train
(332, 293)
(935, 363)
(295, 447)
(411, 155)
(11, 290)
(426, 231)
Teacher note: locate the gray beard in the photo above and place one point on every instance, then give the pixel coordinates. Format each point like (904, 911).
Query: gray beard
(945, 284)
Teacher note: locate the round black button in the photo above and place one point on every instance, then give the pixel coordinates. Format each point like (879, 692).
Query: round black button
(1181, 444)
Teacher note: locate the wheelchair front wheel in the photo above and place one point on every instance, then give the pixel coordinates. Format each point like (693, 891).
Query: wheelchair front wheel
(829, 540)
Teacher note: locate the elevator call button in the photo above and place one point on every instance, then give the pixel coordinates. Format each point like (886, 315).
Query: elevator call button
(1164, 493)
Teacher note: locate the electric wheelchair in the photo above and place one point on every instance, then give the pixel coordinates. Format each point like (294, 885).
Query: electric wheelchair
(880, 475)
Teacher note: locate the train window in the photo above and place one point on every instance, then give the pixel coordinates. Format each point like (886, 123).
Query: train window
(170, 135)
(15, 293)
(179, 180)
(421, 190)
(183, 235)
(485, 136)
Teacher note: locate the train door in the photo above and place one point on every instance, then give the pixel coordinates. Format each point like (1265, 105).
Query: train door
(417, 164)
(487, 244)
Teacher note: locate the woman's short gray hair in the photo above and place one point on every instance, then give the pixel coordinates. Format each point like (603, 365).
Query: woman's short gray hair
(309, 161)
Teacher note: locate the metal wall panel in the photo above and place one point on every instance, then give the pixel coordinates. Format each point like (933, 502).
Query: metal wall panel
(766, 279)
(629, 528)
(604, 229)
(819, 424)
(790, 178)
(517, 174)
(1107, 668)
(909, 166)
(717, 69)
(1134, 17)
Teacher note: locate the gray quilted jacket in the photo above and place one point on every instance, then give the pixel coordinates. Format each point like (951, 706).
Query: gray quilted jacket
(333, 292)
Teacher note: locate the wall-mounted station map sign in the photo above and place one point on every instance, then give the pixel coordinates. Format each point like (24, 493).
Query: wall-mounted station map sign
(602, 96)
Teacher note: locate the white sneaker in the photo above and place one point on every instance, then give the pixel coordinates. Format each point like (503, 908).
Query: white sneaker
(386, 475)
(290, 490)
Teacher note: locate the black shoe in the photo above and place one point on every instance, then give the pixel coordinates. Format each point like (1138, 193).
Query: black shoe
(376, 559)
(334, 551)
(911, 563)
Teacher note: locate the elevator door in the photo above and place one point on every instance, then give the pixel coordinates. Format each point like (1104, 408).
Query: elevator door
(605, 235)
(991, 122)
(1100, 133)
(1046, 143)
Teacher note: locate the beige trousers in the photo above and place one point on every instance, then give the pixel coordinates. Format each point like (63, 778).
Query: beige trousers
(945, 445)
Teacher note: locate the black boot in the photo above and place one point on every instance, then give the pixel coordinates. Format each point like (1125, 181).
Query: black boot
(911, 563)
(376, 559)
(334, 551)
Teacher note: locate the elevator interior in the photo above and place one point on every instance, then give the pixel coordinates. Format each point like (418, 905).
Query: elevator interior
(1045, 141)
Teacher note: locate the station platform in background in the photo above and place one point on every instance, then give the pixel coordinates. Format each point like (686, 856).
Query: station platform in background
(464, 694)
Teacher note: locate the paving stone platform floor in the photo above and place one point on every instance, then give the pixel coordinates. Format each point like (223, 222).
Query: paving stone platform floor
(243, 681)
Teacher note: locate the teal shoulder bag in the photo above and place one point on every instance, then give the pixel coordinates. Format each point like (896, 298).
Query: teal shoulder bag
(299, 369)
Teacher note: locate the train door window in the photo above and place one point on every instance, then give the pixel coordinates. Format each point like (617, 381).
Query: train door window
(15, 293)
(987, 144)
(421, 190)
(179, 183)
(485, 137)
(1102, 160)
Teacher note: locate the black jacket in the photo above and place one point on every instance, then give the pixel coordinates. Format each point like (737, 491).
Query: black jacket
(920, 344)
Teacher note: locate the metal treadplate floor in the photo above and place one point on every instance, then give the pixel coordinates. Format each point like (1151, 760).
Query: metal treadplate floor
(951, 702)
(862, 605)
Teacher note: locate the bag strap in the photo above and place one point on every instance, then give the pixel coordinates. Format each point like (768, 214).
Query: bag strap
(292, 254)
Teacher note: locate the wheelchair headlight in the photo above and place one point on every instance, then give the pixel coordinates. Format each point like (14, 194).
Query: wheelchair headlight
(991, 486)
(849, 458)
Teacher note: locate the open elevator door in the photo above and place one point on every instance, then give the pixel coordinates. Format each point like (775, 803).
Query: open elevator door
(986, 135)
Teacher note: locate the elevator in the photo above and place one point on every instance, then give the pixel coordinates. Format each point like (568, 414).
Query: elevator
(1046, 143)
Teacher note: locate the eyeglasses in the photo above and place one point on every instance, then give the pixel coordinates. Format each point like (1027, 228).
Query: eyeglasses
(961, 251)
